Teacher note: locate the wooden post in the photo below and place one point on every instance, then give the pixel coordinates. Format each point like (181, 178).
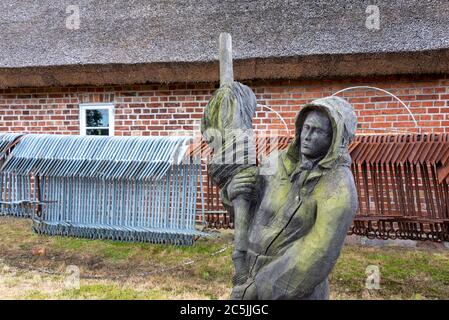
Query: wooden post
(225, 56)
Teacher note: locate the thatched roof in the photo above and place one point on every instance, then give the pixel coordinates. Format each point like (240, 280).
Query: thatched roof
(176, 40)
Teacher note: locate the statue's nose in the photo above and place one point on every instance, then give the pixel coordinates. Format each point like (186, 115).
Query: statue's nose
(307, 136)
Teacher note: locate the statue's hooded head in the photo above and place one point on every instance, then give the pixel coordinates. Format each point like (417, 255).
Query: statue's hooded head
(319, 115)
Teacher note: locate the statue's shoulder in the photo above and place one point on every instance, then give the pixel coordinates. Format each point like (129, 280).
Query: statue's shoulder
(338, 180)
(343, 172)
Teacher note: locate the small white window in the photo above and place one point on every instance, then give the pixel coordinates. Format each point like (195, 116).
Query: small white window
(97, 119)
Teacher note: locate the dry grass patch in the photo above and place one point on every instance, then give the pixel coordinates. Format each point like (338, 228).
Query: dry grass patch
(33, 267)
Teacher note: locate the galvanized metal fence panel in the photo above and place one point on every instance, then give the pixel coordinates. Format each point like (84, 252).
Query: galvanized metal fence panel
(16, 197)
(122, 188)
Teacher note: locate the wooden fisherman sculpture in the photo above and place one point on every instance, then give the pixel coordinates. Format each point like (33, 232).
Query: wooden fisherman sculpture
(297, 216)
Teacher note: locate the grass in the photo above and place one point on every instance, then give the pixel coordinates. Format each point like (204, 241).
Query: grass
(110, 292)
(404, 273)
(33, 267)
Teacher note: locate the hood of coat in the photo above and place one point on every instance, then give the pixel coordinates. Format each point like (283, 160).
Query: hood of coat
(344, 124)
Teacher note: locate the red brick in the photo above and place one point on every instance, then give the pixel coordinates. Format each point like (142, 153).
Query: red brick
(427, 97)
(154, 109)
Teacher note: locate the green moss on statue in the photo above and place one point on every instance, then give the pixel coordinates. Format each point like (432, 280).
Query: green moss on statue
(299, 215)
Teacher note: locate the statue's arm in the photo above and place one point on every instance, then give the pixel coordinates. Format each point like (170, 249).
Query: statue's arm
(310, 259)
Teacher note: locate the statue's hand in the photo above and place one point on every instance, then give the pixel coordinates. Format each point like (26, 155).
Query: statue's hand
(243, 183)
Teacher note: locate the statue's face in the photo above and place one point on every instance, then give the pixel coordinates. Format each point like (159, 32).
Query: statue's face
(316, 135)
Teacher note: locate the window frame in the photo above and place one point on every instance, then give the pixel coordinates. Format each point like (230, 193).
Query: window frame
(96, 106)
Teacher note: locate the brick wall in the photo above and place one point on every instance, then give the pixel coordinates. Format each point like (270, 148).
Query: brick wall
(158, 109)
(162, 109)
